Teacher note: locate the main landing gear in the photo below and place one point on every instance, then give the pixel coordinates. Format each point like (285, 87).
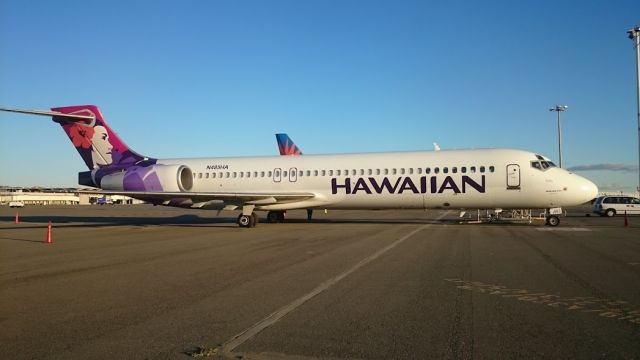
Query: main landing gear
(275, 216)
(248, 218)
(248, 221)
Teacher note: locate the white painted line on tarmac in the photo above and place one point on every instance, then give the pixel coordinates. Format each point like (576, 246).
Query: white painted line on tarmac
(247, 334)
(563, 229)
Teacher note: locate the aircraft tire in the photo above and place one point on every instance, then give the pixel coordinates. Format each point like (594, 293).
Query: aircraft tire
(553, 220)
(244, 220)
(273, 217)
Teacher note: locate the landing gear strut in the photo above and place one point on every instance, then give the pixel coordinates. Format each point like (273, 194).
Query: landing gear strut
(309, 214)
(275, 216)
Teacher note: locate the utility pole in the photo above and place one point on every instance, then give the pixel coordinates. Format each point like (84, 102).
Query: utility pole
(634, 34)
(558, 109)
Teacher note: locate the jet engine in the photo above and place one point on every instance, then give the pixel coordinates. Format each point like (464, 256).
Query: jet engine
(155, 178)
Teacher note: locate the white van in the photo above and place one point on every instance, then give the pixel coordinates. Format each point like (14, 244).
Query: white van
(16, 204)
(612, 205)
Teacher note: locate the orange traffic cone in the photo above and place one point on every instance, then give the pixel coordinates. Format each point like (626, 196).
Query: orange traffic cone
(626, 221)
(49, 239)
(17, 217)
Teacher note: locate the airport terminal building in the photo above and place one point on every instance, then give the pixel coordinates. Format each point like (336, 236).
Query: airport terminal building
(58, 196)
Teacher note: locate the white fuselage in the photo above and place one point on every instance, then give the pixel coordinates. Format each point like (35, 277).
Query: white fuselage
(468, 179)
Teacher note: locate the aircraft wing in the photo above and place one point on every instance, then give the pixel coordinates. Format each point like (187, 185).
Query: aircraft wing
(228, 198)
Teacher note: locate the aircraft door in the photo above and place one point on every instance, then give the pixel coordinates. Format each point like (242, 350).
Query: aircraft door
(513, 177)
(277, 175)
(293, 175)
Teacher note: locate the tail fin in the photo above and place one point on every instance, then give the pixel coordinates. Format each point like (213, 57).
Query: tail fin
(98, 145)
(287, 146)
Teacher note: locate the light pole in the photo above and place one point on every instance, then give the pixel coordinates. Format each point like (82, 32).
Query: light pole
(558, 109)
(634, 34)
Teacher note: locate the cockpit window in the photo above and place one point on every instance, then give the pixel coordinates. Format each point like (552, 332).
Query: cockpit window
(539, 157)
(542, 164)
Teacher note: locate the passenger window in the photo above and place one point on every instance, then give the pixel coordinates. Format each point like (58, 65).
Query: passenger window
(427, 171)
(402, 171)
(199, 175)
(472, 169)
(255, 174)
(308, 172)
(324, 173)
(635, 201)
(377, 171)
(315, 172)
(353, 171)
(393, 171)
(419, 170)
(445, 170)
(284, 174)
(269, 174)
(241, 174)
(235, 174)
(330, 172)
(300, 173)
(454, 170)
(386, 171)
(206, 175)
(369, 171)
(220, 175)
(361, 171)
(492, 169)
(248, 174)
(436, 170)
(481, 169)
(463, 169)
(337, 172)
(213, 175)
(261, 173)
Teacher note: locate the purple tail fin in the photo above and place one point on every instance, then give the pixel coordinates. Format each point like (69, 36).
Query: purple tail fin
(98, 145)
(287, 146)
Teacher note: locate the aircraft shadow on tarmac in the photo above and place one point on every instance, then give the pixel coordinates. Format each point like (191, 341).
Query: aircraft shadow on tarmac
(30, 222)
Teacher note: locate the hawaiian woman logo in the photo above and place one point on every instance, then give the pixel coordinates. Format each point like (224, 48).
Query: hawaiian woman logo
(91, 140)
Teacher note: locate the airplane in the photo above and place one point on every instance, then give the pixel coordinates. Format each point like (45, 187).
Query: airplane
(287, 146)
(446, 179)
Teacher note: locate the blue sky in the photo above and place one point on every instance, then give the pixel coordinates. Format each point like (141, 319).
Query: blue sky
(219, 78)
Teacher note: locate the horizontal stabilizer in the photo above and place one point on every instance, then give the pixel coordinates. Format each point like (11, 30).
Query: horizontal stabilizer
(49, 113)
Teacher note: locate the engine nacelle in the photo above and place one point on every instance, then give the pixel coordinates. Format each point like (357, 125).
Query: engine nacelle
(173, 178)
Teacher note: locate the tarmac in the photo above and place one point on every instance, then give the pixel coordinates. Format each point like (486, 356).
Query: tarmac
(145, 282)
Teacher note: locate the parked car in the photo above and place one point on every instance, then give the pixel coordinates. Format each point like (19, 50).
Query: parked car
(104, 201)
(16, 204)
(612, 205)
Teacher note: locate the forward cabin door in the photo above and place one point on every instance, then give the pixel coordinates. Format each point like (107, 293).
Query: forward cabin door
(513, 177)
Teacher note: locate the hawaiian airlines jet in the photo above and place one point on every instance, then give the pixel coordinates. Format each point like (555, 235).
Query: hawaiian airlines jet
(446, 179)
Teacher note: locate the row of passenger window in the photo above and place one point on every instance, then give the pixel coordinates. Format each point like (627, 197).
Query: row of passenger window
(346, 172)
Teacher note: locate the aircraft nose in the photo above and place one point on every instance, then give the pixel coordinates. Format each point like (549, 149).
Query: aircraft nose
(588, 190)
